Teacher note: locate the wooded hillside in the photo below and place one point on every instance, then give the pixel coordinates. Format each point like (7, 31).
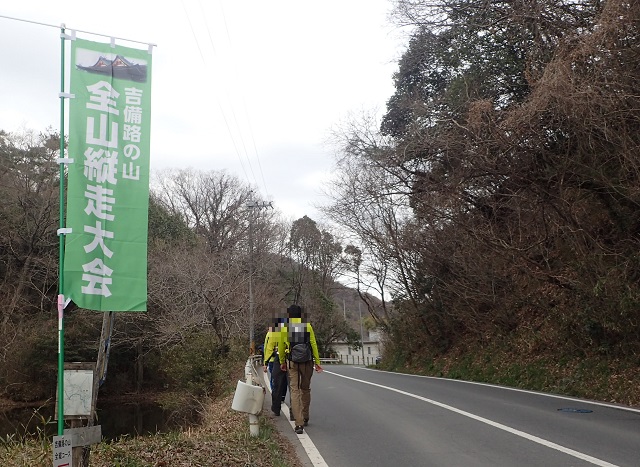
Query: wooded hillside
(497, 202)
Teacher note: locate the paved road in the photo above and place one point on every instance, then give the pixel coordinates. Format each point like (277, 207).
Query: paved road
(362, 417)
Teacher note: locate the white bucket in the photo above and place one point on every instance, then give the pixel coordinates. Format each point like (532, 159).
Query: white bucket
(248, 398)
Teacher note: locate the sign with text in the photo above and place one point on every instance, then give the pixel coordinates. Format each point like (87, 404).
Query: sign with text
(62, 451)
(105, 260)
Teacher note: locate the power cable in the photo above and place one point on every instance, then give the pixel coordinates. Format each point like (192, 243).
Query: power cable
(244, 103)
(233, 113)
(195, 37)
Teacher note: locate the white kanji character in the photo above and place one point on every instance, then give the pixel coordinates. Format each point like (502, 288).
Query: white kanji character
(101, 98)
(132, 114)
(129, 174)
(98, 283)
(131, 133)
(101, 166)
(99, 202)
(133, 96)
(98, 239)
(101, 140)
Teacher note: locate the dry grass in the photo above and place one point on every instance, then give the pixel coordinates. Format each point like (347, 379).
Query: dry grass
(222, 440)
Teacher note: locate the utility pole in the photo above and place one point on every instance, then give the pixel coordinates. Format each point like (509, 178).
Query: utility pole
(252, 205)
(361, 332)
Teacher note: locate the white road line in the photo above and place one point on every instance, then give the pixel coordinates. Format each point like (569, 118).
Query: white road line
(500, 426)
(537, 393)
(314, 455)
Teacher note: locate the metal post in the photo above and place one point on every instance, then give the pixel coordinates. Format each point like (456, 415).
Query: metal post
(251, 205)
(252, 344)
(61, 252)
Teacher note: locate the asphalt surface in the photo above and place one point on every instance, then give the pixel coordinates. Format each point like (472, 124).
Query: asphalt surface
(362, 417)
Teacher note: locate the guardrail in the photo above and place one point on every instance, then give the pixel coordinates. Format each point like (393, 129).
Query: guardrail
(252, 377)
(357, 360)
(255, 362)
(329, 360)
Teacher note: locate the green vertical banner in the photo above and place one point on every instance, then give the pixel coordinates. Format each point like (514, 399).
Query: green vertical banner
(105, 261)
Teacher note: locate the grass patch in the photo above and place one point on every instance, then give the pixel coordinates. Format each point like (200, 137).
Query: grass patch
(223, 439)
(506, 363)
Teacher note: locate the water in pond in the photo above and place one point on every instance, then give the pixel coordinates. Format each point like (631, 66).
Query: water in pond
(116, 419)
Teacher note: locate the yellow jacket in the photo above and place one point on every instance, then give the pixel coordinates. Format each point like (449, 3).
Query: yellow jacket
(271, 345)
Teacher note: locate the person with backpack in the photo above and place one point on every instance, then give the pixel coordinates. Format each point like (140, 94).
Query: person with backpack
(300, 359)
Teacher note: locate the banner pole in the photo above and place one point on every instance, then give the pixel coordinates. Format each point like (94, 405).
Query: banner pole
(61, 250)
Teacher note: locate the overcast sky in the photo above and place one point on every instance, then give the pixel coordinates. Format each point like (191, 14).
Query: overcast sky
(250, 87)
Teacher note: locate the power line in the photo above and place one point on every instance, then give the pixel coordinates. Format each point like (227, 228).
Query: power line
(193, 32)
(233, 113)
(195, 37)
(236, 124)
(244, 103)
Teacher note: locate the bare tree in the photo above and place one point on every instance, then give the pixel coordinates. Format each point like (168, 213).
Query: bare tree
(29, 185)
(211, 203)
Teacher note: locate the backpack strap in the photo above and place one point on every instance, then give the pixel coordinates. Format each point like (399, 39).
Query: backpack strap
(268, 360)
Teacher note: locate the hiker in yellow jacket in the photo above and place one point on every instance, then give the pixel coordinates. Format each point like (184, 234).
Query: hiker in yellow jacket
(278, 380)
(299, 359)
(269, 358)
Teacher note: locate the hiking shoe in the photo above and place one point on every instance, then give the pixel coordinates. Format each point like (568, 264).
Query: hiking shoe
(299, 430)
(306, 421)
(275, 412)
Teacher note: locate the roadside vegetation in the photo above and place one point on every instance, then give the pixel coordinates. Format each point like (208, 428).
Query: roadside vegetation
(495, 205)
(222, 439)
(505, 363)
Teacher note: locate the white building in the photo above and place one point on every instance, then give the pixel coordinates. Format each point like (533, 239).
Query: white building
(371, 348)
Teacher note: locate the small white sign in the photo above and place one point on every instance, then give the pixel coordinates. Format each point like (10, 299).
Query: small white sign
(62, 451)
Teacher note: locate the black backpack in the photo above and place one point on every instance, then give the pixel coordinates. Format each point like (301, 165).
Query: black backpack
(299, 343)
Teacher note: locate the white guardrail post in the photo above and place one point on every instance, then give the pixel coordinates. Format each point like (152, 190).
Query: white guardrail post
(249, 395)
(254, 427)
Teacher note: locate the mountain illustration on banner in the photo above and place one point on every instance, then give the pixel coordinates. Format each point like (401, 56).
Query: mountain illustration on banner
(119, 67)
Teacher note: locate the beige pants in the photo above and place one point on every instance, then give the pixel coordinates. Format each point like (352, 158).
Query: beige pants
(300, 382)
